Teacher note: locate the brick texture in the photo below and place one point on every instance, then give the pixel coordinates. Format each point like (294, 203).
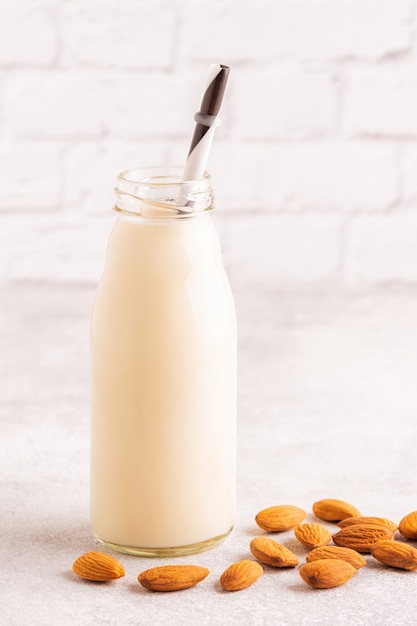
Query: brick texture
(261, 30)
(382, 250)
(315, 164)
(28, 32)
(328, 176)
(291, 252)
(381, 101)
(53, 248)
(283, 102)
(114, 34)
(31, 177)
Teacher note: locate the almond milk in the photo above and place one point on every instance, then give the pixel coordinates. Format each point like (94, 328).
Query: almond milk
(163, 382)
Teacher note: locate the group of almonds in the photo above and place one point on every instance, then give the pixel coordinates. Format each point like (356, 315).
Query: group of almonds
(326, 565)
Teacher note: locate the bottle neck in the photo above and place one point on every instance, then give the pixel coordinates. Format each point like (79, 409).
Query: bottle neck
(161, 193)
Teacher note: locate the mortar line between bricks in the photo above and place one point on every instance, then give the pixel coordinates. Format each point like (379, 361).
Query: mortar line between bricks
(367, 138)
(389, 289)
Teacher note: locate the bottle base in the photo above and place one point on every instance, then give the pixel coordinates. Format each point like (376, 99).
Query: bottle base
(192, 548)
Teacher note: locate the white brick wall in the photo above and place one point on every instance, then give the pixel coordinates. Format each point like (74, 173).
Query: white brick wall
(265, 30)
(283, 101)
(382, 250)
(123, 35)
(28, 32)
(314, 167)
(293, 251)
(381, 101)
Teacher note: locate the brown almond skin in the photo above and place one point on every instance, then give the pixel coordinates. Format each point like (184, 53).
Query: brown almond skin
(408, 526)
(271, 553)
(336, 552)
(312, 535)
(240, 575)
(327, 573)
(97, 566)
(172, 577)
(280, 517)
(331, 510)
(395, 554)
(361, 537)
(382, 521)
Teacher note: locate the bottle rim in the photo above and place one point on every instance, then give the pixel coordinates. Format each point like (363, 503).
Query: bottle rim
(161, 192)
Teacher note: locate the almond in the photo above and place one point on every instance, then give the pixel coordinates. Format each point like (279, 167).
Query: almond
(408, 526)
(97, 566)
(334, 510)
(326, 573)
(335, 552)
(271, 553)
(172, 577)
(381, 521)
(395, 554)
(361, 537)
(280, 517)
(312, 535)
(240, 575)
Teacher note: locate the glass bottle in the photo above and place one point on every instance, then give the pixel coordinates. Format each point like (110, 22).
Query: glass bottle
(163, 349)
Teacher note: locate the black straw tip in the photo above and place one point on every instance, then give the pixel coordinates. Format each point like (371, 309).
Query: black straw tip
(213, 96)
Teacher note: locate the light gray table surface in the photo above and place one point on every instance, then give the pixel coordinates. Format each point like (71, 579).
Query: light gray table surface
(327, 408)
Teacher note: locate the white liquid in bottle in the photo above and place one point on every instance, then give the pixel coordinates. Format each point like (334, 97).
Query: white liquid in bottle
(163, 388)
